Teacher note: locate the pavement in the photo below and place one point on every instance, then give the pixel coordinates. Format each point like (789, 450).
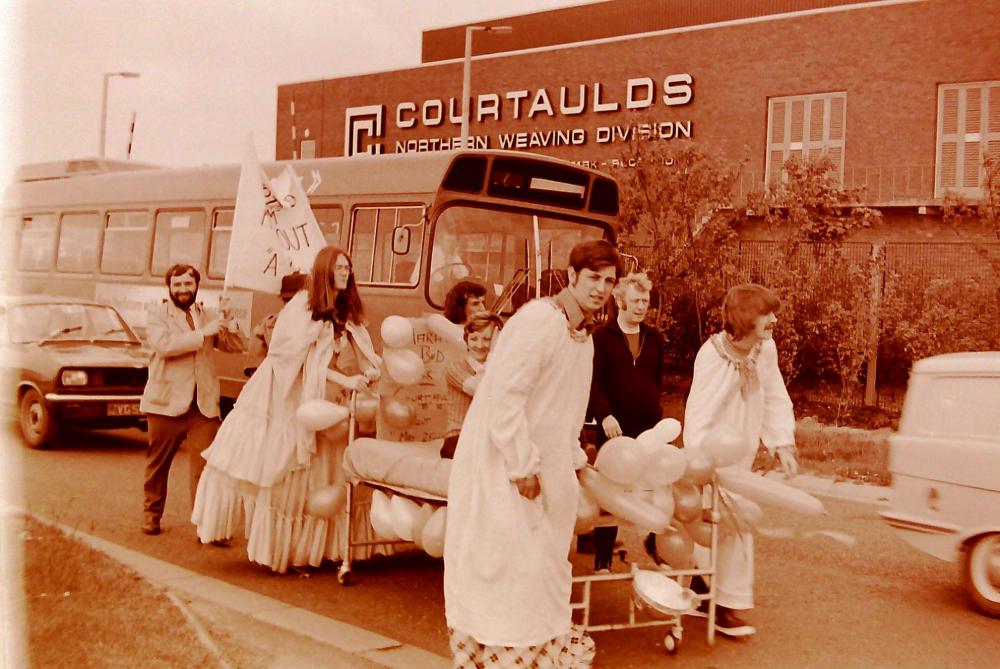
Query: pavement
(288, 636)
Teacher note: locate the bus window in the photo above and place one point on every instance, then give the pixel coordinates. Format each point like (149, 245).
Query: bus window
(371, 245)
(329, 219)
(78, 238)
(497, 248)
(179, 237)
(126, 239)
(38, 237)
(218, 250)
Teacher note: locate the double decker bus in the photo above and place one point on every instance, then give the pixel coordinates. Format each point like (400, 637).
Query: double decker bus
(414, 224)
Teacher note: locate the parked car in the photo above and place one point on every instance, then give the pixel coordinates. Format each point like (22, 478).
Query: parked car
(69, 363)
(945, 464)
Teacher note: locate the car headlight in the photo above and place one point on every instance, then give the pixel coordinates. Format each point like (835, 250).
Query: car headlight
(73, 377)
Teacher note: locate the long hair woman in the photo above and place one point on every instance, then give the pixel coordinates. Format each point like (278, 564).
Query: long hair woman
(263, 462)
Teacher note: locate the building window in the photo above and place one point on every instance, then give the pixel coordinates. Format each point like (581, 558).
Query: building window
(179, 238)
(371, 245)
(968, 130)
(807, 127)
(126, 242)
(79, 235)
(38, 238)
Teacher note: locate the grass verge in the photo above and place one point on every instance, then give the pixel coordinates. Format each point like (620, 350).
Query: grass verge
(85, 610)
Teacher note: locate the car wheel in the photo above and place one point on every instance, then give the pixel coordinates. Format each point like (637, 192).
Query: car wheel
(37, 425)
(981, 574)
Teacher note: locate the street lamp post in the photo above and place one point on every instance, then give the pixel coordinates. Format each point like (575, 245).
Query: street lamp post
(104, 103)
(467, 71)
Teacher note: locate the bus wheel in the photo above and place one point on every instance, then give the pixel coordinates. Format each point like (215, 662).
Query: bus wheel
(37, 425)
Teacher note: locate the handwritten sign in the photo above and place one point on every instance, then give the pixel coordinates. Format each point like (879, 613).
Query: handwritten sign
(429, 396)
(274, 230)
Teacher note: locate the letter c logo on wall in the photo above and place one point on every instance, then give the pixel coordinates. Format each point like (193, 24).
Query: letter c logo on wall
(362, 125)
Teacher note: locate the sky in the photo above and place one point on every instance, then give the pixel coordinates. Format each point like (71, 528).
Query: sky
(209, 69)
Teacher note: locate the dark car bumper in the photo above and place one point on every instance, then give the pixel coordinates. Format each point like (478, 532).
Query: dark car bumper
(96, 411)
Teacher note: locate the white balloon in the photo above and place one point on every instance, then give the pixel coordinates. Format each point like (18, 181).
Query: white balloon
(444, 328)
(397, 332)
(621, 460)
(381, 516)
(424, 514)
(403, 512)
(318, 415)
(649, 439)
(432, 537)
(768, 491)
(664, 464)
(667, 429)
(404, 366)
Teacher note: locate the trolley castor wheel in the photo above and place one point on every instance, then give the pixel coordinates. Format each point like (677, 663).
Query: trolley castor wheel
(671, 644)
(344, 577)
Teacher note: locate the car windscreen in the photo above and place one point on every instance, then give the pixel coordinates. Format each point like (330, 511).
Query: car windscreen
(59, 321)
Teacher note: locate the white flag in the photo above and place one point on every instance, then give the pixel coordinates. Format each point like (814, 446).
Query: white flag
(274, 230)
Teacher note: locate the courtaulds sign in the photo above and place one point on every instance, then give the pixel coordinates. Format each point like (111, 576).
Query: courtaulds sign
(365, 127)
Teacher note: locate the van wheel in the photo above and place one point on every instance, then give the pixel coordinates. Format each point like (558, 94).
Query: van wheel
(981, 574)
(35, 418)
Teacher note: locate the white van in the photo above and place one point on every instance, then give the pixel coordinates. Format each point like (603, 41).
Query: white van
(945, 464)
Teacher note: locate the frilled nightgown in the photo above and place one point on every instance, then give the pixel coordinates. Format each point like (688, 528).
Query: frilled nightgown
(748, 394)
(264, 464)
(507, 575)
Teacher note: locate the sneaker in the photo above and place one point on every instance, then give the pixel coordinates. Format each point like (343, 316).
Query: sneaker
(729, 623)
(151, 526)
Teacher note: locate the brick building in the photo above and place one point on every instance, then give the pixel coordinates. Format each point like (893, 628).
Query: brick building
(904, 95)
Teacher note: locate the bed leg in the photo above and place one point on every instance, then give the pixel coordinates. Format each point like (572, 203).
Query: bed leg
(344, 573)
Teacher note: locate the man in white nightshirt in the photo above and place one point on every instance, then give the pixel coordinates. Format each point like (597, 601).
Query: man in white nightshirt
(737, 383)
(512, 496)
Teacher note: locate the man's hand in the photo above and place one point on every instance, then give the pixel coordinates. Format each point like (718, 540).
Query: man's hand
(786, 456)
(211, 328)
(373, 374)
(529, 486)
(611, 427)
(358, 382)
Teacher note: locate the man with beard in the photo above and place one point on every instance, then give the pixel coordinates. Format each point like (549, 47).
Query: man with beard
(181, 399)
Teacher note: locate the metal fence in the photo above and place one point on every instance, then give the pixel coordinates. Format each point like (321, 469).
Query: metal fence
(904, 272)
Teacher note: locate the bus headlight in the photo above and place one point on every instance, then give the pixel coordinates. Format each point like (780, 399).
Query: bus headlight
(73, 377)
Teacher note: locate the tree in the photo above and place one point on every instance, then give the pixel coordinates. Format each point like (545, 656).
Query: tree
(677, 212)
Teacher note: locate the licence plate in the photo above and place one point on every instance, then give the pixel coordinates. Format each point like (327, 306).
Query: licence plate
(123, 408)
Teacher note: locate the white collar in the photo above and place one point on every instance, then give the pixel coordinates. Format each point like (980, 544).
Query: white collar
(633, 329)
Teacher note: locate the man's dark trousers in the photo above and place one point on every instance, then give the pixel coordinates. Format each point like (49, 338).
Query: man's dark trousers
(166, 435)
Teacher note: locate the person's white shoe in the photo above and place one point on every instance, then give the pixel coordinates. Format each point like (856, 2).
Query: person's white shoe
(729, 623)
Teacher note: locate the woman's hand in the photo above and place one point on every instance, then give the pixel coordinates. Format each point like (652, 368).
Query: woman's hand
(529, 486)
(786, 456)
(373, 374)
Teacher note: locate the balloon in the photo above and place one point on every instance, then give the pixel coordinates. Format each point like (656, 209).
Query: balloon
(675, 547)
(768, 491)
(318, 415)
(739, 514)
(444, 328)
(700, 531)
(365, 408)
(620, 460)
(649, 439)
(700, 467)
(397, 332)
(726, 445)
(619, 502)
(404, 366)
(327, 501)
(419, 521)
(381, 516)
(587, 512)
(664, 465)
(663, 499)
(432, 538)
(398, 413)
(667, 430)
(403, 511)
(687, 502)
